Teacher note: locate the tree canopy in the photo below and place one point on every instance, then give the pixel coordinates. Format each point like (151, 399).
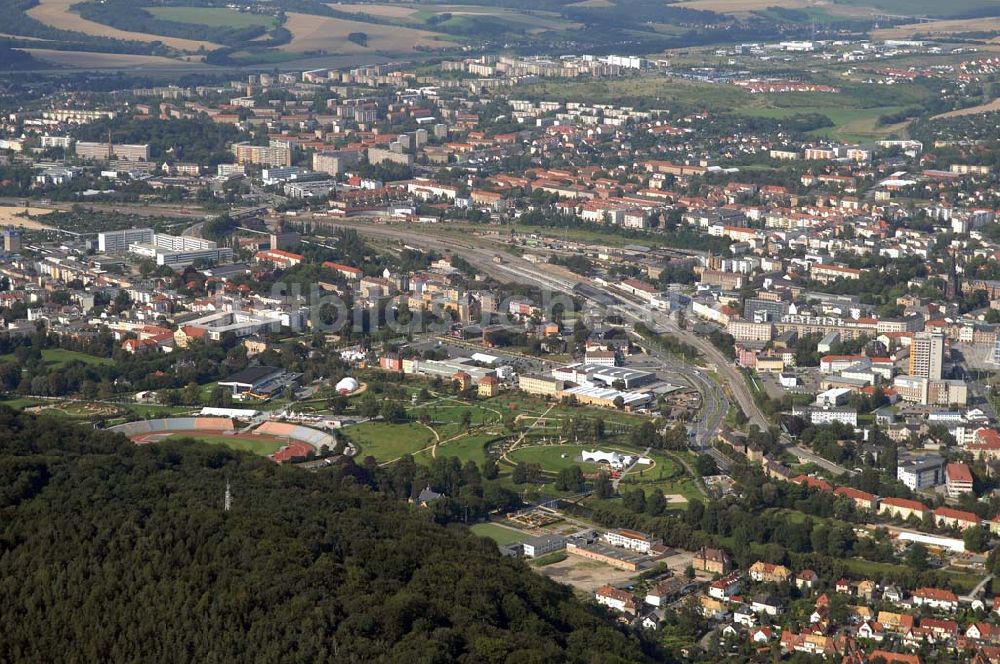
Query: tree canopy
(116, 552)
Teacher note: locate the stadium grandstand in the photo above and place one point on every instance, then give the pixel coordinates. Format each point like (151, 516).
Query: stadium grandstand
(297, 442)
(301, 440)
(145, 428)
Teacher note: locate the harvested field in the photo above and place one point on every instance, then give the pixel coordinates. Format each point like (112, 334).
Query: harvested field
(91, 60)
(745, 6)
(972, 110)
(323, 33)
(57, 14)
(9, 217)
(938, 29)
(733, 6)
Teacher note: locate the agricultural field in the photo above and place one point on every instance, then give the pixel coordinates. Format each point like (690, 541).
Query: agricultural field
(95, 60)
(515, 20)
(990, 107)
(258, 446)
(938, 29)
(215, 17)
(14, 216)
(922, 7)
(747, 6)
(393, 10)
(57, 14)
(329, 35)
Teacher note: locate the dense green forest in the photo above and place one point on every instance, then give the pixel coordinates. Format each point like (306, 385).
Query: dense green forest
(11, 58)
(115, 552)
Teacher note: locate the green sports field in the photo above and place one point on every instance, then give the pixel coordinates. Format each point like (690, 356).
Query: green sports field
(262, 447)
(499, 534)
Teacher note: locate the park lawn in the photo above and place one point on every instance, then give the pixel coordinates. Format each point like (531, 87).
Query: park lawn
(213, 17)
(21, 403)
(262, 447)
(59, 357)
(469, 448)
(554, 458)
(451, 413)
(146, 410)
(387, 442)
(668, 475)
(681, 486)
(499, 534)
(530, 407)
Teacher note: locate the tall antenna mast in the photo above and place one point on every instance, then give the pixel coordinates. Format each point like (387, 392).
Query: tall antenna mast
(227, 503)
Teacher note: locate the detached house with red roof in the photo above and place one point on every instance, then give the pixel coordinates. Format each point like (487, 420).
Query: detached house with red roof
(813, 483)
(769, 573)
(936, 598)
(616, 599)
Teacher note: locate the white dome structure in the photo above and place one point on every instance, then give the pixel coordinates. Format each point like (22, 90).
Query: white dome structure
(346, 385)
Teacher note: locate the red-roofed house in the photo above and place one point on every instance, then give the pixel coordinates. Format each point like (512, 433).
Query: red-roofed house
(188, 333)
(806, 579)
(902, 508)
(862, 499)
(985, 445)
(958, 479)
(615, 598)
(813, 483)
(952, 518)
(279, 257)
(769, 573)
(346, 270)
(936, 598)
(139, 346)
